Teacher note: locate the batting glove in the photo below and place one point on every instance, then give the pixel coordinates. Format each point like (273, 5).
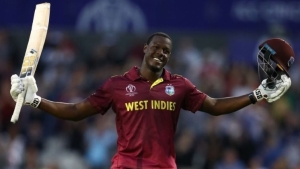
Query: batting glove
(285, 85)
(26, 87)
(17, 86)
(271, 95)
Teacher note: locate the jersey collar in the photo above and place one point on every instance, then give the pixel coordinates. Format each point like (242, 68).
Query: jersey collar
(133, 74)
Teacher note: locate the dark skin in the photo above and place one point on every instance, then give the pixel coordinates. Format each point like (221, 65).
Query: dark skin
(157, 54)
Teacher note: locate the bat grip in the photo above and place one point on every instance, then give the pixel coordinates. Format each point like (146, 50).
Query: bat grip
(18, 107)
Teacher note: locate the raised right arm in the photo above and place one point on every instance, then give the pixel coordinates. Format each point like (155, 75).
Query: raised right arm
(68, 111)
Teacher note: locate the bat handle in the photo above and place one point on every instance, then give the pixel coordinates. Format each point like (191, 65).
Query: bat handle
(18, 107)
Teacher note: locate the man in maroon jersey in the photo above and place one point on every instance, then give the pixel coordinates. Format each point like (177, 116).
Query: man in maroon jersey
(147, 101)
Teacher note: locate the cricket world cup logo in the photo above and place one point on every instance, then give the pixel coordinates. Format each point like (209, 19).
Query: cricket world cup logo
(131, 90)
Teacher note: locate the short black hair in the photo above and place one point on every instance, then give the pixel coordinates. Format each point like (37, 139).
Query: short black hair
(158, 34)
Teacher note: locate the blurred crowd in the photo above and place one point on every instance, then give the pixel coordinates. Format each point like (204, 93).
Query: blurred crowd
(260, 136)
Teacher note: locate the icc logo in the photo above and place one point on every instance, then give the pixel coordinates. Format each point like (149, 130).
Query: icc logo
(130, 89)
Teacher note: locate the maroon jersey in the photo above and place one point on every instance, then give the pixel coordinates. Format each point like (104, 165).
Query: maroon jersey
(146, 116)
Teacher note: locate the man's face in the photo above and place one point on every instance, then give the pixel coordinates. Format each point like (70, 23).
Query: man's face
(157, 53)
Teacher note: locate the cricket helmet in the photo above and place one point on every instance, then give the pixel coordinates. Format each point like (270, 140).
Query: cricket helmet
(275, 57)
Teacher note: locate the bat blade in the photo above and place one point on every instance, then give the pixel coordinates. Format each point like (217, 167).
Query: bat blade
(34, 49)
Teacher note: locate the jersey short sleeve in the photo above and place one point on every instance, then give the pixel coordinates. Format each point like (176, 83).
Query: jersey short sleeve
(194, 98)
(102, 98)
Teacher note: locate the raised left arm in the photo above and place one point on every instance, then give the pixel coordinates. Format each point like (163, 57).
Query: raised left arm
(219, 106)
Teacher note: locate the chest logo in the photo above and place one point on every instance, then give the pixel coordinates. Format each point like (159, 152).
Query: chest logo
(131, 90)
(170, 90)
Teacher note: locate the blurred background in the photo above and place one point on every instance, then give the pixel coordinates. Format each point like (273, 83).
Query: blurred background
(215, 46)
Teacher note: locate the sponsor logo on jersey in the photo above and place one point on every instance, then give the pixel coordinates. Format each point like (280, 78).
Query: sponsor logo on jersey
(131, 90)
(170, 90)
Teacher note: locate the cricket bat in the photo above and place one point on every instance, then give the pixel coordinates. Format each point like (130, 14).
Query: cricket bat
(34, 49)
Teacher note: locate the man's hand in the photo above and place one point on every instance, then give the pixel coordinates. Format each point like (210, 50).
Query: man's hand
(17, 86)
(271, 95)
(285, 85)
(26, 86)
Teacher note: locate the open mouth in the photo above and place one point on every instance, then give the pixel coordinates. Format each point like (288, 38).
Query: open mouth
(157, 60)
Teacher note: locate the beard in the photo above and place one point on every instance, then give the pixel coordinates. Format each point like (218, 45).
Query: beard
(154, 68)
